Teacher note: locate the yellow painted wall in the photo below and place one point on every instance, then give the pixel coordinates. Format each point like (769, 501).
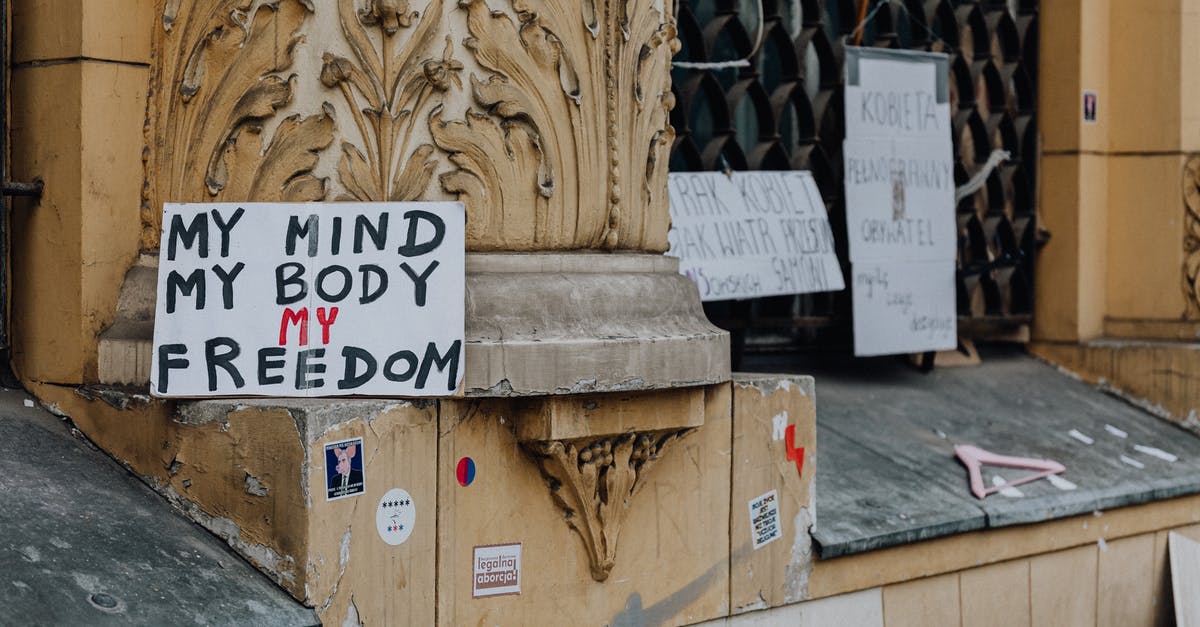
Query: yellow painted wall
(1111, 191)
(78, 106)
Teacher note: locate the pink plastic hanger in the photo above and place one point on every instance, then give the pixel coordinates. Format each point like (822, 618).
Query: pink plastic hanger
(974, 458)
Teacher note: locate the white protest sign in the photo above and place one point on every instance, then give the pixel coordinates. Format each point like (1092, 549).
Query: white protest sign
(310, 299)
(896, 94)
(752, 234)
(904, 308)
(899, 176)
(899, 200)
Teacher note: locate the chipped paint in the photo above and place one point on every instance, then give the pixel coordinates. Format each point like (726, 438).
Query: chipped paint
(254, 487)
(770, 384)
(278, 567)
(758, 604)
(352, 618)
(800, 566)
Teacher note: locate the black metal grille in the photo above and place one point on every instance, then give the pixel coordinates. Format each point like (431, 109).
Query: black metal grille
(784, 111)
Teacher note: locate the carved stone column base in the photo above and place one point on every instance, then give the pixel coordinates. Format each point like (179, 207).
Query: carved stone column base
(544, 324)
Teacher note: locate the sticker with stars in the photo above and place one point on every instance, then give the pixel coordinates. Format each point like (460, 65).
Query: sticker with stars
(395, 516)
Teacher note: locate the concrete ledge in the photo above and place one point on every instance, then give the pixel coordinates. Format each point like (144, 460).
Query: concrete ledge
(536, 324)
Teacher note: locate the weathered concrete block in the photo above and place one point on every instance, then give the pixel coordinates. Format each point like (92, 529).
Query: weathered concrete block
(766, 408)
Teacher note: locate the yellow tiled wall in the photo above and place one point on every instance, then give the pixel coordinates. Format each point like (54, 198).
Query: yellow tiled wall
(1123, 583)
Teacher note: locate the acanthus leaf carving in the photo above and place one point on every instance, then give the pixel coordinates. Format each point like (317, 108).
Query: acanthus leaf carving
(589, 87)
(594, 479)
(221, 78)
(562, 144)
(387, 86)
(1191, 237)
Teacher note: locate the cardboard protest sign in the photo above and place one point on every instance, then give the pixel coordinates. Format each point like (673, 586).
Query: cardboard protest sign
(310, 299)
(750, 234)
(899, 177)
(904, 308)
(902, 195)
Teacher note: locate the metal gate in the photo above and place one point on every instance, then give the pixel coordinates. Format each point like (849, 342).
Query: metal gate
(783, 110)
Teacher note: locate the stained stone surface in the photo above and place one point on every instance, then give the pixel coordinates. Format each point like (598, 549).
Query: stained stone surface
(86, 543)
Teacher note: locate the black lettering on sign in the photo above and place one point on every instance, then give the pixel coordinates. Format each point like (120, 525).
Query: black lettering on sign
(227, 277)
(292, 278)
(197, 230)
(419, 280)
(166, 363)
(304, 368)
(377, 232)
(447, 361)
(295, 231)
(366, 271)
(389, 366)
(270, 358)
(335, 243)
(223, 360)
(411, 248)
(342, 292)
(194, 284)
(352, 377)
(226, 227)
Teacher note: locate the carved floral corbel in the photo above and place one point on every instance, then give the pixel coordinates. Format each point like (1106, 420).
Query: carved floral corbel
(594, 480)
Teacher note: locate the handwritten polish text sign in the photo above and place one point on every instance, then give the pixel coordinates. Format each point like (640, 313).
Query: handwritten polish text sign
(310, 299)
(751, 234)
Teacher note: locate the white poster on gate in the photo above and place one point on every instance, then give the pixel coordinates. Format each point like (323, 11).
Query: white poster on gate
(905, 307)
(751, 234)
(898, 165)
(899, 200)
(897, 94)
(310, 299)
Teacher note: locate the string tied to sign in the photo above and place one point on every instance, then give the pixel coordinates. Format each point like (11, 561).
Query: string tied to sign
(864, 20)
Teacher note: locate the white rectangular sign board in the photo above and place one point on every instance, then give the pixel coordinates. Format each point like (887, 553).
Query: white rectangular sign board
(905, 307)
(310, 299)
(899, 200)
(899, 175)
(751, 234)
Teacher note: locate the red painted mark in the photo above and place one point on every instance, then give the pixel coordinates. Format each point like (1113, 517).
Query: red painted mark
(326, 322)
(294, 317)
(793, 453)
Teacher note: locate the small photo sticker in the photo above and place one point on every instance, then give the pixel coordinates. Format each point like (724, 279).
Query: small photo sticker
(1091, 101)
(344, 469)
(497, 570)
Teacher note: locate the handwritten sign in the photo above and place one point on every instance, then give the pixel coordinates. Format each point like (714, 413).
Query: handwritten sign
(292, 299)
(899, 200)
(752, 234)
(903, 308)
(899, 177)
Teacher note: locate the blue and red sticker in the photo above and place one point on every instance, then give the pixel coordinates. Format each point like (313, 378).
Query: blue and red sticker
(465, 471)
